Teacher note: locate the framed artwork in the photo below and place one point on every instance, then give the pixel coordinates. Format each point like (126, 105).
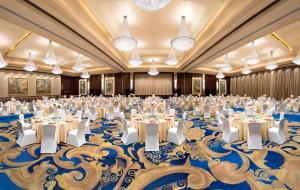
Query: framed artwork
(110, 86)
(17, 86)
(82, 87)
(196, 85)
(222, 86)
(43, 86)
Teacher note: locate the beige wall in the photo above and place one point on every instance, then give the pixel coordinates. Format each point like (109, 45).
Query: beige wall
(5, 74)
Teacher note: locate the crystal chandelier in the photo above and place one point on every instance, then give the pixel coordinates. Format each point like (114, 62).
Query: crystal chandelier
(50, 57)
(151, 5)
(226, 66)
(172, 59)
(85, 74)
(78, 67)
(30, 66)
(296, 60)
(183, 41)
(253, 57)
(220, 75)
(57, 70)
(246, 70)
(271, 65)
(2, 62)
(125, 42)
(153, 71)
(135, 59)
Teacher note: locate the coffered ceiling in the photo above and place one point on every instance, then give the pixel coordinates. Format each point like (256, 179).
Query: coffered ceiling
(89, 27)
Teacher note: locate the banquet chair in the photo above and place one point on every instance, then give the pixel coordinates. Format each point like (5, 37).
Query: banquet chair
(221, 109)
(94, 114)
(281, 115)
(133, 112)
(22, 121)
(130, 134)
(4, 110)
(276, 134)
(219, 121)
(51, 110)
(48, 142)
(264, 109)
(18, 109)
(26, 137)
(175, 135)
(152, 137)
(206, 112)
(230, 134)
(87, 129)
(110, 116)
(172, 112)
(122, 116)
(196, 111)
(254, 140)
(295, 107)
(79, 113)
(76, 136)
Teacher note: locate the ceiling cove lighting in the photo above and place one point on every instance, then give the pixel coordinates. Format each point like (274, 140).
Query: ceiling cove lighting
(246, 70)
(57, 70)
(271, 65)
(172, 59)
(2, 62)
(296, 60)
(253, 57)
(153, 70)
(135, 59)
(78, 67)
(50, 57)
(30, 66)
(125, 42)
(220, 74)
(151, 5)
(183, 40)
(85, 74)
(226, 66)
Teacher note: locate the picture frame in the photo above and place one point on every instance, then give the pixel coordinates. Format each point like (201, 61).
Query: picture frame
(109, 86)
(222, 86)
(82, 87)
(196, 85)
(17, 86)
(43, 86)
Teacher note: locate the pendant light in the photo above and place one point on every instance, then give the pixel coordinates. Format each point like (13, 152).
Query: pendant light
(30, 66)
(50, 57)
(253, 57)
(296, 60)
(78, 67)
(57, 70)
(183, 40)
(172, 59)
(226, 66)
(125, 42)
(85, 74)
(271, 65)
(135, 59)
(220, 75)
(2, 62)
(151, 5)
(153, 71)
(246, 70)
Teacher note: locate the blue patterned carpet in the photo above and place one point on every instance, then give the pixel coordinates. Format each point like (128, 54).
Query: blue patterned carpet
(202, 162)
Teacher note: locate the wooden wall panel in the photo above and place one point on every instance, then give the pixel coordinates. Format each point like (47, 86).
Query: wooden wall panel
(122, 83)
(184, 82)
(210, 85)
(95, 85)
(69, 85)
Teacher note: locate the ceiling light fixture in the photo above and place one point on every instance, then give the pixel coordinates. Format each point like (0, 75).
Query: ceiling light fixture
(57, 70)
(296, 60)
(246, 70)
(151, 5)
(226, 66)
(125, 42)
(183, 40)
(172, 59)
(253, 57)
(135, 59)
(50, 57)
(85, 74)
(2, 62)
(30, 66)
(220, 74)
(153, 70)
(78, 67)
(271, 65)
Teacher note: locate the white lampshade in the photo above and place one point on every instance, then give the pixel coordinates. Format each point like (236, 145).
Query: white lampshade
(50, 57)
(220, 75)
(296, 60)
(78, 67)
(183, 40)
(151, 5)
(125, 42)
(85, 74)
(135, 59)
(172, 59)
(246, 70)
(271, 65)
(30, 66)
(57, 70)
(2, 62)
(153, 70)
(253, 57)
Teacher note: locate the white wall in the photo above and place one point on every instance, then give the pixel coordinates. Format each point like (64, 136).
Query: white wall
(5, 74)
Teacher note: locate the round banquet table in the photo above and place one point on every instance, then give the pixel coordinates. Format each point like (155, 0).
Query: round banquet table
(101, 112)
(63, 126)
(212, 109)
(164, 123)
(241, 121)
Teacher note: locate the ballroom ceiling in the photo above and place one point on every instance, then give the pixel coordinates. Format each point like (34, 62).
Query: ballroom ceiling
(89, 27)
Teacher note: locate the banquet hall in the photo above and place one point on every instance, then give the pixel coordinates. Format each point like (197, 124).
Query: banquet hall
(150, 94)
